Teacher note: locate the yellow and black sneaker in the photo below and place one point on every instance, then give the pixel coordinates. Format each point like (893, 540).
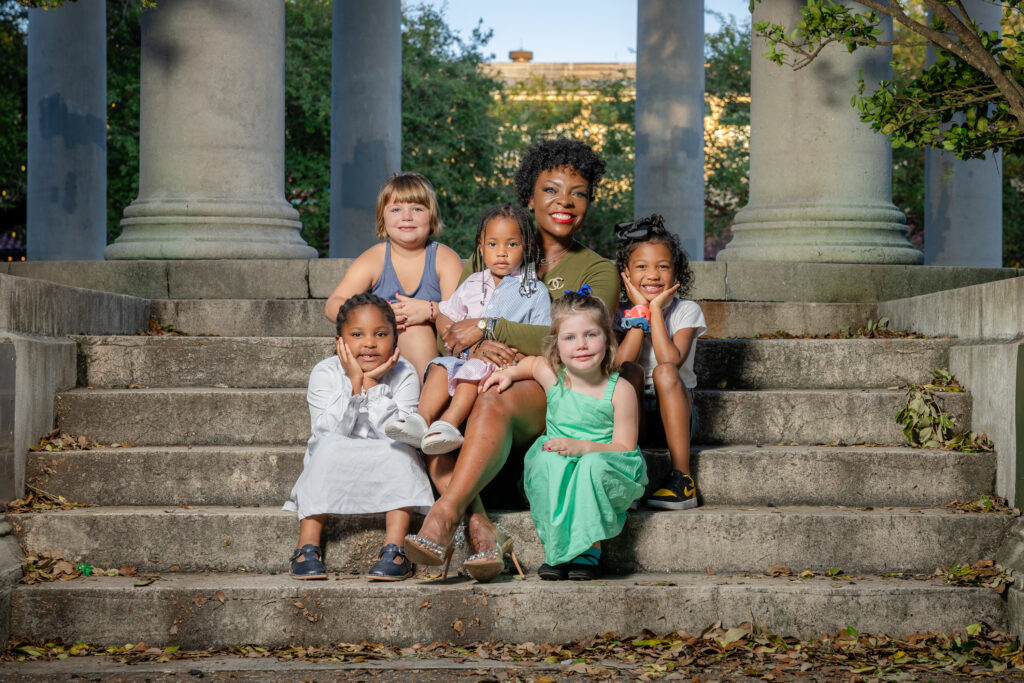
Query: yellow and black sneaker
(677, 492)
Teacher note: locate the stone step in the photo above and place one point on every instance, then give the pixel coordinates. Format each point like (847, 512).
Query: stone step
(222, 610)
(245, 417)
(726, 475)
(724, 538)
(723, 363)
(305, 317)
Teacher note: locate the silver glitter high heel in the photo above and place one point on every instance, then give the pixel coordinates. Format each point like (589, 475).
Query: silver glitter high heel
(422, 550)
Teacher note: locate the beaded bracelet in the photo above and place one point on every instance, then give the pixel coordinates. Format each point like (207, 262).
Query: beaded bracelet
(431, 317)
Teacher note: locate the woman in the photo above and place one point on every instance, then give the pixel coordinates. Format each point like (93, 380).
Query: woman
(556, 181)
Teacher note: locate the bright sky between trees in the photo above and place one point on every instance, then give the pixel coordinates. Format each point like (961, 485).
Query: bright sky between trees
(565, 30)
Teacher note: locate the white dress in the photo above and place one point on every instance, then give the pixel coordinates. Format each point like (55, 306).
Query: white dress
(350, 466)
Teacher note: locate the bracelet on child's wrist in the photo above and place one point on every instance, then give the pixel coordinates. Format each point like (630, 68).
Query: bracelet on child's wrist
(638, 311)
(639, 323)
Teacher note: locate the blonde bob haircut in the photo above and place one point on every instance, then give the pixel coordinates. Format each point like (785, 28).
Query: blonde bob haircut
(408, 188)
(568, 305)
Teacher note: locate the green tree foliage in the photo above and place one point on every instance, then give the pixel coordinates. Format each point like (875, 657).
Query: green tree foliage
(970, 101)
(307, 116)
(727, 135)
(124, 40)
(13, 123)
(448, 131)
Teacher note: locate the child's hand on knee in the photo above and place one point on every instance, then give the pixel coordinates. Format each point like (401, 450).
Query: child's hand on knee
(495, 379)
(565, 446)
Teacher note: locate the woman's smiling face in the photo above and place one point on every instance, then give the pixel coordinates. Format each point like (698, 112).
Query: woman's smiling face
(560, 200)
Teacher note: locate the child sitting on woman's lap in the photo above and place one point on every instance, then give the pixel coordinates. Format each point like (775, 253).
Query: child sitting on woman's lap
(350, 466)
(507, 289)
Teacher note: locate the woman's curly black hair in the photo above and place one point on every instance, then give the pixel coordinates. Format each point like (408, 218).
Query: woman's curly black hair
(655, 233)
(556, 153)
(366, 299)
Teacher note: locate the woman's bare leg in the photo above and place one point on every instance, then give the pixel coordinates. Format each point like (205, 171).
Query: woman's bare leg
(497, 421)
(418, 346)
(675, 407)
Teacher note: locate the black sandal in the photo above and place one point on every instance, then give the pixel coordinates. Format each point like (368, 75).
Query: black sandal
(586, 570)
(557, 572)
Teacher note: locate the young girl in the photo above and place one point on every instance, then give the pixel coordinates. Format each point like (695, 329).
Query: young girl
(408, 269)
(659, 331)
(350, 467)
(583, 473)
(506, 288)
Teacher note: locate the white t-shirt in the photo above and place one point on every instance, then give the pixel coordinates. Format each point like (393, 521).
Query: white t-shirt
(679, 315)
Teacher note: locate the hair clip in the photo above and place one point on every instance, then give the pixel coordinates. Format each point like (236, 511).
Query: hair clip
(583, 291)
(638, 230)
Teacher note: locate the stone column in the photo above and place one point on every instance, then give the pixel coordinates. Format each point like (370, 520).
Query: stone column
(669, 166)
(820, 179)
(366, 116)
(211, 149)
(67, 132)
(963, 200)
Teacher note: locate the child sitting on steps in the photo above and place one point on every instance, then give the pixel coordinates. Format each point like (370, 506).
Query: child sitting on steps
(409, 269)
(659, 331)
(584, 472)
(350, 466)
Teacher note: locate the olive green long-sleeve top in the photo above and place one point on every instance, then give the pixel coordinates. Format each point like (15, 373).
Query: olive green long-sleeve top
(580, 266)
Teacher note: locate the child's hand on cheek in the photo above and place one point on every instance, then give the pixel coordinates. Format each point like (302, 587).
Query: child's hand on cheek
(664, 297)
(636, 297)
(381, 369)
(349, 363)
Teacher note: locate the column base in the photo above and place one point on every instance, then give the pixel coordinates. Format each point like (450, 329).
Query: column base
(161, 229)
(821, 234)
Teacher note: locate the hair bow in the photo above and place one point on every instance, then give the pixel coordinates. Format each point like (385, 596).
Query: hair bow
(640, 229)
(583, 291)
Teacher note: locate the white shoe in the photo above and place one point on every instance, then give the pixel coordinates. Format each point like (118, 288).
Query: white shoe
(441, 437)
(408, 430)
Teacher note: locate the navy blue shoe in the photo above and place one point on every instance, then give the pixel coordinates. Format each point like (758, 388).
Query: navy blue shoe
(311, 567)
(387, 569)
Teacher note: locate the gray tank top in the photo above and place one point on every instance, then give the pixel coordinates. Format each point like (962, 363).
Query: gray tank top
(429, 288)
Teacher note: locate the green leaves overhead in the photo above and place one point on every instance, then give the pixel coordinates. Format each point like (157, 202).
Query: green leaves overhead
(970, 101)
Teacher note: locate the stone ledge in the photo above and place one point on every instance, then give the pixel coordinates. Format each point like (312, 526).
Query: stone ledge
(317, 278)
(186, 610)
(992, 311)
(37, 307)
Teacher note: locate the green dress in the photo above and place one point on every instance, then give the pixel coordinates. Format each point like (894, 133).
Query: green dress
(576, 501)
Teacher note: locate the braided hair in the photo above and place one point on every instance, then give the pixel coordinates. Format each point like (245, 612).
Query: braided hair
(366, 299)
(527, 237)
(651, 230)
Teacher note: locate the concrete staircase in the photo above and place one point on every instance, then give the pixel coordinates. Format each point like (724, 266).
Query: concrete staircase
(217, 427)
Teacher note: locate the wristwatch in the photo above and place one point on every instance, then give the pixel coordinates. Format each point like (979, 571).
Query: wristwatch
(486, 326)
